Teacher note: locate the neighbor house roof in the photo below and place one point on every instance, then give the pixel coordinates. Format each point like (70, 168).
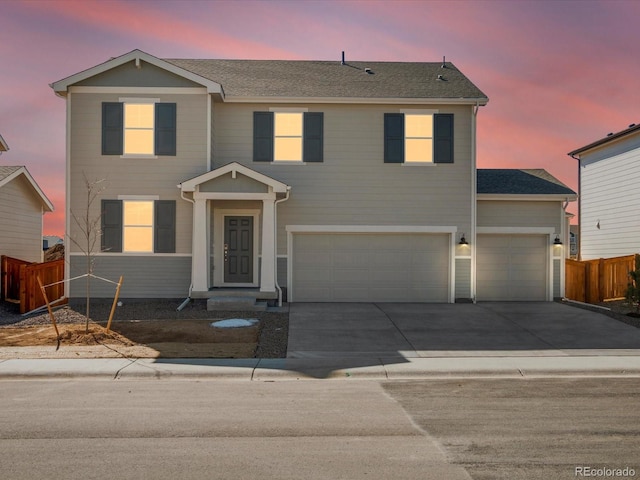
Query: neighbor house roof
(9, 173)
(520, 182)
(247, 80)
(358, 79)
(3, 145)
(609, 138)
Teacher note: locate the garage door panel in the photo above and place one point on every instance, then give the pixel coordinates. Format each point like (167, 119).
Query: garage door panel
(371, 267)
(512, 267)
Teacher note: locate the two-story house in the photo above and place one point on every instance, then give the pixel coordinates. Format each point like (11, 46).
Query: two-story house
(609, 199)
(332, 181)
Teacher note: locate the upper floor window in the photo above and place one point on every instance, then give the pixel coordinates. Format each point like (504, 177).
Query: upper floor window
(418, 137)
(285, 136)
(138, 128)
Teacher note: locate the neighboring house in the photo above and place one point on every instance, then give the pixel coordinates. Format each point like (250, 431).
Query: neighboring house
(333, 181)
(49, 241)
(609, 205)
(22, 206)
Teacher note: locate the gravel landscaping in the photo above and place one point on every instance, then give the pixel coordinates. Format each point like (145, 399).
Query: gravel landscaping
(273, 335)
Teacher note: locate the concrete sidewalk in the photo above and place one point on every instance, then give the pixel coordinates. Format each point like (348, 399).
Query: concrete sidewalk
(299, 369)
(399, 341)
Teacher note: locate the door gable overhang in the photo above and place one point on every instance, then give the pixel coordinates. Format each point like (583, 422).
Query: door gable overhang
(236, 171)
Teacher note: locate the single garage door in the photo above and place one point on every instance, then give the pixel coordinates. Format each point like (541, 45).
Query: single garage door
(366, 267)
(512, 267)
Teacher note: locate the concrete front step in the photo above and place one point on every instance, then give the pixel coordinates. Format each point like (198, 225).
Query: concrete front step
(236, 304)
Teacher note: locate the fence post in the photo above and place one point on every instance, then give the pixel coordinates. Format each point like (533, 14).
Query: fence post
(3, 277)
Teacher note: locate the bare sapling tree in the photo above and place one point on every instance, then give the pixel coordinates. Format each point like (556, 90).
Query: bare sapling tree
(88, 227)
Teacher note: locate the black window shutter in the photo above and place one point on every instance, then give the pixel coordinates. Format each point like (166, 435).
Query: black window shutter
(111, 239)
(443, 138)
(263, 136)
(112, 125)
(393, 138)
(313, 136)
(165, 226)
(165, 129)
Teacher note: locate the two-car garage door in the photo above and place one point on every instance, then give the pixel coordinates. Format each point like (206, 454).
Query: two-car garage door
(512, 267)
(370, 267)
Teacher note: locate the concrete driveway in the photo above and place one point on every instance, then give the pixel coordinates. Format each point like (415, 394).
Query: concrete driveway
(339, 330)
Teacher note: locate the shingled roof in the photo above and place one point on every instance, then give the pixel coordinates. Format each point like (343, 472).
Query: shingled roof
(290, 78)
(520, 182)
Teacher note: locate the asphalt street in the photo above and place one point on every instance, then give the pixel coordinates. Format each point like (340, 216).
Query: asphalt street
(343, 429)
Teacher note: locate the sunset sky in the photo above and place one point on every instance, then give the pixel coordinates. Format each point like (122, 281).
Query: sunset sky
(559, 74)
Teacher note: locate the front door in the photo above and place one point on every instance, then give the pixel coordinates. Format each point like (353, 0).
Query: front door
(238, 249)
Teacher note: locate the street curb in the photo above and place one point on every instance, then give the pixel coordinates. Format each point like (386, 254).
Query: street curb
(353, 368)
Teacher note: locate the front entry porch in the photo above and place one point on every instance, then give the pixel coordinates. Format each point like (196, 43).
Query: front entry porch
(234, 232)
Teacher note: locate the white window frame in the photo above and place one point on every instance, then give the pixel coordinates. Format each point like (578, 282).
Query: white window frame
(139, 198)
(276, 111)
(136, 101)
(412, 112)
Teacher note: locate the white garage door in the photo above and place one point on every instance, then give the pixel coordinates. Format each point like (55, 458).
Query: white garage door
(512, 267)
(349, 267)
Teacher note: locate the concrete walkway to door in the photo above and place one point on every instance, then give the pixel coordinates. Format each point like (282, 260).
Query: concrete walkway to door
(408, 340)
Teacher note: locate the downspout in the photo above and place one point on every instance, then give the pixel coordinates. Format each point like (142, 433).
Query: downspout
(188, 299)
(579, 256)
(275, 241)
(474, 201)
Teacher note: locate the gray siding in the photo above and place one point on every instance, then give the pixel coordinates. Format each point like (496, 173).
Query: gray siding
(137, 176)
(463, 278)
(353, 185)
(144, 276)
(128, 75)
(20, 221)
(557, 270)
(520, 214)
(226, 183)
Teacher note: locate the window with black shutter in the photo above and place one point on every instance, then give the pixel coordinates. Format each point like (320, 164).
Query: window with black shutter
(138, 129)
(418, 138)
(288, 136)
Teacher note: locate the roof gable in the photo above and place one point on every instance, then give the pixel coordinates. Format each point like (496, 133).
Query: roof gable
(520, 182)
(3, 145)
(252, 80)
(8, 174)
(137, 57)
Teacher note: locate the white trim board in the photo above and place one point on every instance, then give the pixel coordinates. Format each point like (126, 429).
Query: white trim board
(369, 229)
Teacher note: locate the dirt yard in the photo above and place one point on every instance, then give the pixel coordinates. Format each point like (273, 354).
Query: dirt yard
(139, 339)
(143, 331)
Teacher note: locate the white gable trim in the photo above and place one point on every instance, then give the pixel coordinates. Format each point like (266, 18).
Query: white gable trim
(62, 86)
(233, 168)
(46, 203)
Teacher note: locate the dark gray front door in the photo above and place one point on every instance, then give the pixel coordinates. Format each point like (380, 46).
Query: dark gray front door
(238, 249)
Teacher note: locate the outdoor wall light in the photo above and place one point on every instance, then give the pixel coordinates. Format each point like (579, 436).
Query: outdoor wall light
(463, 241)
(557, 241)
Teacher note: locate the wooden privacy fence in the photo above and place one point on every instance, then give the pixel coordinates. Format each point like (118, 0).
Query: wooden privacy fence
(20, 284)
(594, 281)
